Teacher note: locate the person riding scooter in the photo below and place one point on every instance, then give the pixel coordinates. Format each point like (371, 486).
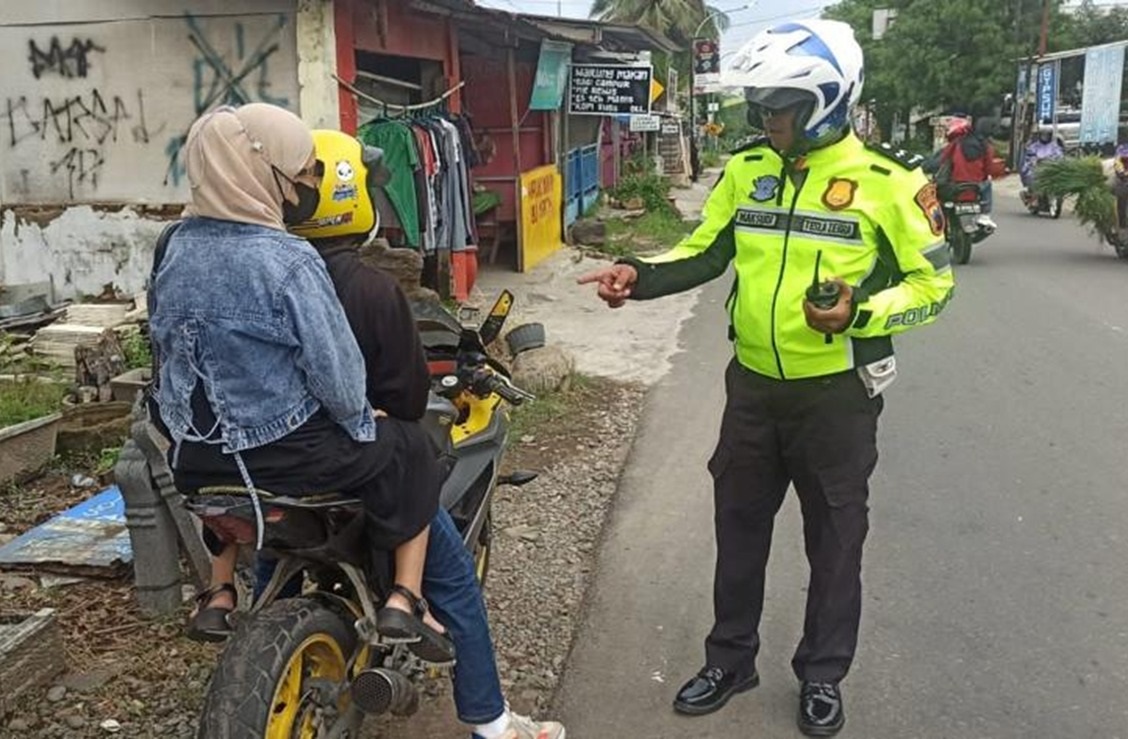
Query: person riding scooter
(1044, 147)
(256, 386)
(1120, 184)
(968, 157)
(381, 319)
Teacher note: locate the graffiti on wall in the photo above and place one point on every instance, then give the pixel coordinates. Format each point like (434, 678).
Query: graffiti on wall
(243, 77)
(78, 129)
(70, 61)
(103, 114)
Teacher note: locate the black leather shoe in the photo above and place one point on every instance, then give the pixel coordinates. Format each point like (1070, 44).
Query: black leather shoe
(710, 689)
(821, 712)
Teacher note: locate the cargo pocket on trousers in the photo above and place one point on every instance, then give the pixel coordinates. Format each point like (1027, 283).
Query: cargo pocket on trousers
(719, 462)
(847, 484)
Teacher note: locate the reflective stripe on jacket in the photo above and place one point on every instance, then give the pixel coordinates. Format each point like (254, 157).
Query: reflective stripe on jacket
(872, 216)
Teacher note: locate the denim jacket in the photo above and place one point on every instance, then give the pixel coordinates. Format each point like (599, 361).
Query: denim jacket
(251, 313)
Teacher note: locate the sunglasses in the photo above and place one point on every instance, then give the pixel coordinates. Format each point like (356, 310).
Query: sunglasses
(317, 169)
(766, 113)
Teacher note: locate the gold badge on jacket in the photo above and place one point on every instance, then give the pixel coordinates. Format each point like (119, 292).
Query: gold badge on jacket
(839, 193)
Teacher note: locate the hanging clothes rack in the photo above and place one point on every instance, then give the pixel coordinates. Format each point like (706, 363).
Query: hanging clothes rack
(405, 108)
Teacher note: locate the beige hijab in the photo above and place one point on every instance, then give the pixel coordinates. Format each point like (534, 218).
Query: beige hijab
(230, 154)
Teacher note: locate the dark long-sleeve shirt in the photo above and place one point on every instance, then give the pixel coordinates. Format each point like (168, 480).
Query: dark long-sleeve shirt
(380, 316)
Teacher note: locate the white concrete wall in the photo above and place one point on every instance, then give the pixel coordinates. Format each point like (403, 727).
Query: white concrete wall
(81, 250)
(95, 101)
(317, 63)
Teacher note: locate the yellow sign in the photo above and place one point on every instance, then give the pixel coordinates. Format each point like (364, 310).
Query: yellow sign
(542, 196)
(656, 89)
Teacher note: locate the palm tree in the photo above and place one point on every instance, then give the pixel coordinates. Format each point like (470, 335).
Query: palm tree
(677, 19)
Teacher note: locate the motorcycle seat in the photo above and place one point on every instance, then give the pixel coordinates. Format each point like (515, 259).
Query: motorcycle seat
(318, 501)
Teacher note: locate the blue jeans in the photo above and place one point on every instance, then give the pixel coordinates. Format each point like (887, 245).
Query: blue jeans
(985, 193)
(451, 588)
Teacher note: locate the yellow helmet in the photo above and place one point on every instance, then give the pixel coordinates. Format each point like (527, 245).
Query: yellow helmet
(352, 173)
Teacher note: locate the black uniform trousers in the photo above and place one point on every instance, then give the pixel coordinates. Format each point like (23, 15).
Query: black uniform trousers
(820, 435)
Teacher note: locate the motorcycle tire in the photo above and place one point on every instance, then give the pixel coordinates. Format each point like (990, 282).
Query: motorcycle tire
(1055, 207)
(525, 337)
(961, 248)
(260, 688)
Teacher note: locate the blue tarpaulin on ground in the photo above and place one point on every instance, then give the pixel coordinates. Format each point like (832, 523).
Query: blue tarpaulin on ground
(90, 538)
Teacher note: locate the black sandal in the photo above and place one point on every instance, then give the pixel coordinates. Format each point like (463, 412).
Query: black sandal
(424, 642)
(212, 624)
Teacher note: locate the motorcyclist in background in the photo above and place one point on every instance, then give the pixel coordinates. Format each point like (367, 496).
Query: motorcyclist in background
(1120, 183)
(1044, 147)
(968, 157)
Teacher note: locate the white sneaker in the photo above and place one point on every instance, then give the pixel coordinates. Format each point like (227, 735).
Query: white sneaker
(986, 222)
(523, 727)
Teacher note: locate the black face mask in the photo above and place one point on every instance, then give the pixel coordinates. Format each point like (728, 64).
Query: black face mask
(308, 200)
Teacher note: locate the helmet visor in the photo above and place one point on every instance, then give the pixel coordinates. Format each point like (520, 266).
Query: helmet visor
(776, 99)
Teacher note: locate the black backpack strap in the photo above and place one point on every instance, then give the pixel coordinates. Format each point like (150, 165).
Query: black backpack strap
(158, 257)
(159, 253)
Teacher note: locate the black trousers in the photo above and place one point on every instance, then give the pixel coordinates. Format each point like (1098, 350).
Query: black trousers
(820, 435)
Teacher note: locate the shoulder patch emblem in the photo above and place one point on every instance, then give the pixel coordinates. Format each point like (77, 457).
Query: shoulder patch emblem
(764, 188)
(839, 193)
(902, 157)
(929, 204)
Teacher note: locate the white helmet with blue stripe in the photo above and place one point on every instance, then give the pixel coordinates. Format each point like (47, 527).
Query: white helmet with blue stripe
(817, 63)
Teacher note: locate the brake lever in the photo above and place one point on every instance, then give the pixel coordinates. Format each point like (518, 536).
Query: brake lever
(520, 392)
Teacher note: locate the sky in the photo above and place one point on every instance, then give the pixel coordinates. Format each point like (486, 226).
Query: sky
(746, 23)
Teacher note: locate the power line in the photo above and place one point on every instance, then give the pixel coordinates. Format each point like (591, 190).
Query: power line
(781, 16)
(542, 2)
(737, 39)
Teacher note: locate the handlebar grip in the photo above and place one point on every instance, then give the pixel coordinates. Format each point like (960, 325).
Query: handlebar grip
(505, 390)
(510, 394)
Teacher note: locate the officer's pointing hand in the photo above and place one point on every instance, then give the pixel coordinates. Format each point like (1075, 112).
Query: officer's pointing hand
(837, 319)
(615, 283)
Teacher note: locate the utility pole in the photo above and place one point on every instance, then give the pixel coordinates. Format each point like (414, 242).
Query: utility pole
(1044, 38)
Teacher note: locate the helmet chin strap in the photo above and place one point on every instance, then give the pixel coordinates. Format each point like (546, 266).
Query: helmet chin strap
(802, 145)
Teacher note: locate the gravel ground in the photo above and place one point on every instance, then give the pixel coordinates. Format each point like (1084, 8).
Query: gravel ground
(546, 537)
(137, 678)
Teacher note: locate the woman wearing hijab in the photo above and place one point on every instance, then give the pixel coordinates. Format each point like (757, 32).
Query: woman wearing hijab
(260, 380)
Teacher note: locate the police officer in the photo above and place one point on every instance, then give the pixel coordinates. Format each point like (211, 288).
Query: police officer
(836, 247)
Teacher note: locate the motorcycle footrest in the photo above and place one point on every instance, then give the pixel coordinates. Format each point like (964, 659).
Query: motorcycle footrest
(394, 640)
(434, 668)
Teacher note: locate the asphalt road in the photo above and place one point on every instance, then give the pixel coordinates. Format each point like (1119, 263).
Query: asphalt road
(996, 572)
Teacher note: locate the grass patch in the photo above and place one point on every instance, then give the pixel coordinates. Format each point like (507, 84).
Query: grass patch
(652, 190)
(138, 353)
(25, 399)
(548, 407)
(651, 233)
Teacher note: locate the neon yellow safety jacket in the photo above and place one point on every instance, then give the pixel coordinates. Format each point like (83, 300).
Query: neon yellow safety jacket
(868, 211)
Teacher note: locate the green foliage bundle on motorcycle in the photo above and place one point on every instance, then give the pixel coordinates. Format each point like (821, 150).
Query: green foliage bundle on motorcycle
(1085, 179)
